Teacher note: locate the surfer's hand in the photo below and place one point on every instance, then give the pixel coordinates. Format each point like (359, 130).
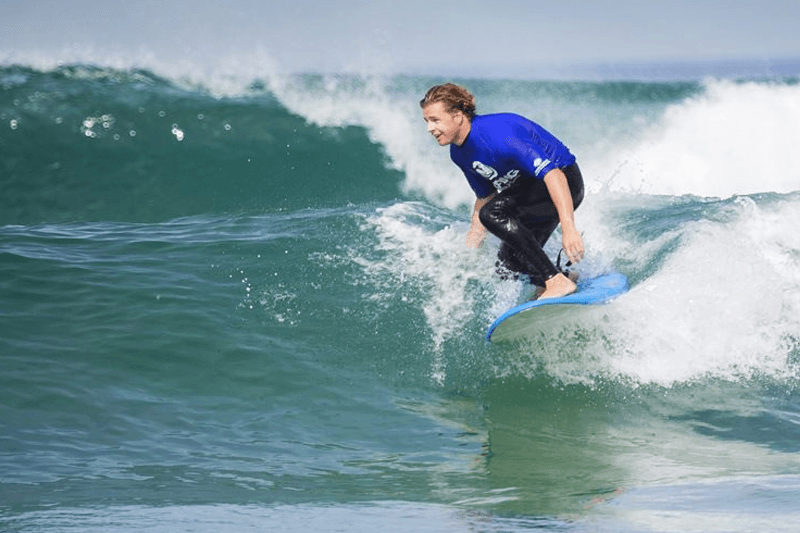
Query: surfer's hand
(572, 243)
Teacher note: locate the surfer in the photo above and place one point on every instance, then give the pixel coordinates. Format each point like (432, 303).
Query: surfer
(525, 180)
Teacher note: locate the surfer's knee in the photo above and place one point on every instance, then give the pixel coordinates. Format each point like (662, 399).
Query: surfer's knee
(494, 216)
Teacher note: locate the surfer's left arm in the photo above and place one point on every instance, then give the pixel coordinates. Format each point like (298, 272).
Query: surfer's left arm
(571, 241)
(477, 232)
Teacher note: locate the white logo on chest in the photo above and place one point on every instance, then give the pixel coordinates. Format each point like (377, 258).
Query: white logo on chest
(490, 174)
(484, 170)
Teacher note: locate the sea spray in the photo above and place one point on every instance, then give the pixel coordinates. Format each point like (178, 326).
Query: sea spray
(733, 138)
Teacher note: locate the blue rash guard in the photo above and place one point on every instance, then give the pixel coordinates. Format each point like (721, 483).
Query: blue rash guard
(505, 147)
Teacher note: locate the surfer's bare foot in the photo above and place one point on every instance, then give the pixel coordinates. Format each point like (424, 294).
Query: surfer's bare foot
(557, 286)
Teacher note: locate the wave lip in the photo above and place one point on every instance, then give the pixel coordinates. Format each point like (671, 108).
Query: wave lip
(732, 139)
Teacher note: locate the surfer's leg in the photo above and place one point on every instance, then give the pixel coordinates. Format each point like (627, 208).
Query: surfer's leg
(524, 252)
(541, 217)
(508, 265)
(524, 217)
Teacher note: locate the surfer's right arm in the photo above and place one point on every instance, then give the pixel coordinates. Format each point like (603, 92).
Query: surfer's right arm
(477, 232)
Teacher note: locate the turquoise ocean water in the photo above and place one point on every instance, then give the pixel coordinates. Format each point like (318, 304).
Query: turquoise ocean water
(244, 304)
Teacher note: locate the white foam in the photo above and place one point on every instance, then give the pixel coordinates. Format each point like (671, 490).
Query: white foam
(431, 258)
(726, 303)
(734, 138)
(428, 262)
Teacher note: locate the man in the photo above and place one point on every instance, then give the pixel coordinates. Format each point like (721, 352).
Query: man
(525, 180)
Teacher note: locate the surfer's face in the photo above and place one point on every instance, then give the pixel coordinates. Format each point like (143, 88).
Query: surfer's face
(445, 126)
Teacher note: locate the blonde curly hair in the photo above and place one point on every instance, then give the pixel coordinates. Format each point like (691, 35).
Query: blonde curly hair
(454, 97)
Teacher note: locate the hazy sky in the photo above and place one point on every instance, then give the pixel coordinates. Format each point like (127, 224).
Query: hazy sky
(513, 37)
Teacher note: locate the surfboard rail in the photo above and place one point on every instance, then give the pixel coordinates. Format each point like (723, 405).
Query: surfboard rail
(593, 291)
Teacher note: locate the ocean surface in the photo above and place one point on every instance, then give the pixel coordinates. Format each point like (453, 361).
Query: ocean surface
(245, 304)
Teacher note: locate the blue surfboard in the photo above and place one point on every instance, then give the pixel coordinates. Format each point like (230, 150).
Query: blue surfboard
(597, 290)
